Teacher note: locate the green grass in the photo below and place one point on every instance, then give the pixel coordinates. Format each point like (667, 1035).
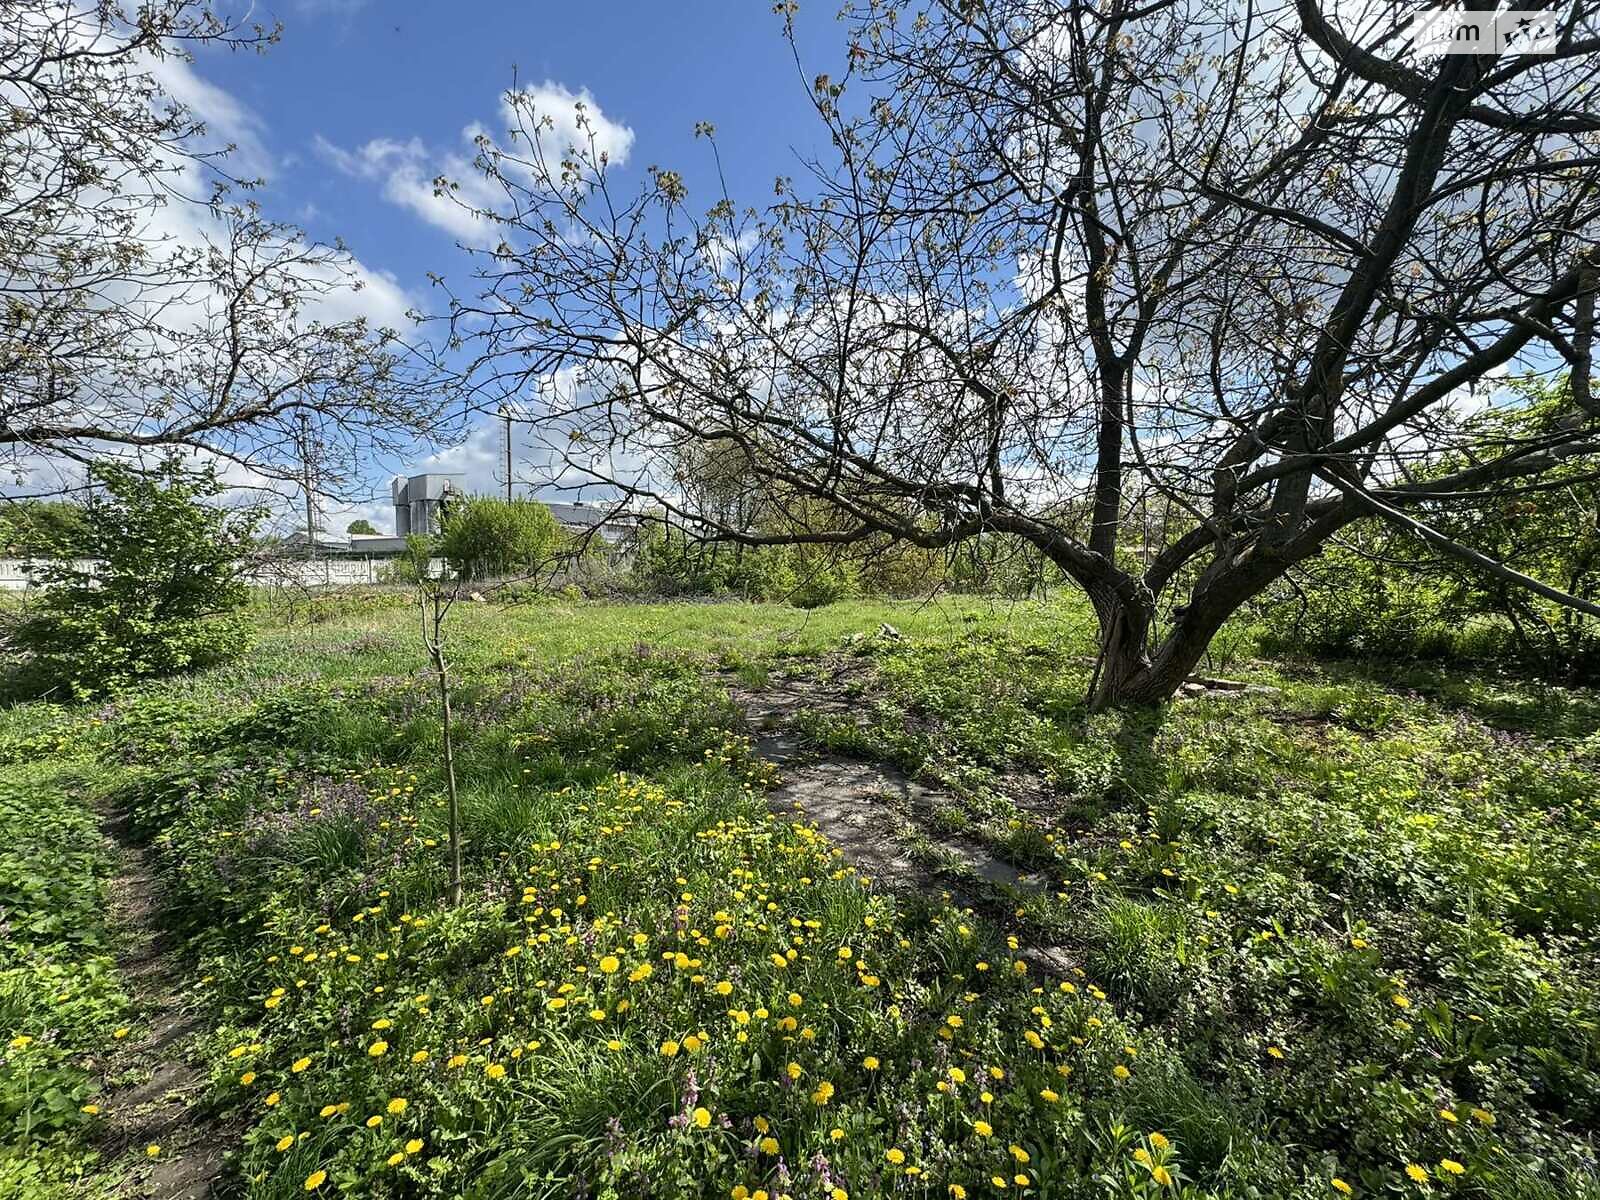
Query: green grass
(1334, 931)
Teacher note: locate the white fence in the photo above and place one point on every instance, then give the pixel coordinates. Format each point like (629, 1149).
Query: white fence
(17, 574)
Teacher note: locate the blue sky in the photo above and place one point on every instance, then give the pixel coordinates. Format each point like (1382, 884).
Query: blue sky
(361, 103)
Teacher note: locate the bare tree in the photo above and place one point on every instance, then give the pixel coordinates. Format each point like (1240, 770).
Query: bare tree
(1244, 265)
(142, 305)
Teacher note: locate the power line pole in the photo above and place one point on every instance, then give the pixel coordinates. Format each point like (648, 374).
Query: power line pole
(505, 413)
(305, 463)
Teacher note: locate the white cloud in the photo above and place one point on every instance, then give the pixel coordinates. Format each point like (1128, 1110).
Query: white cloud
(556, 118)
(329, 8)
(563, 121)
(228, 121)
(374, 294)
(407, 172)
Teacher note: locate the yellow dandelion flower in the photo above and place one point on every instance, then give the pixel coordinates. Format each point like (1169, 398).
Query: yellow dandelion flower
(378, 1049)
(895, 1155)
(315, 1180)
(1417, 1174)
(983, 1128)
(397, 1106)
(609, 965)
(283, 1143)
(414, 1146)
(702, 1118)
(1340, 1186)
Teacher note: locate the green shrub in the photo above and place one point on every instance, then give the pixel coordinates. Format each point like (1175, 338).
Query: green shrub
(485, 538)
(149, 586)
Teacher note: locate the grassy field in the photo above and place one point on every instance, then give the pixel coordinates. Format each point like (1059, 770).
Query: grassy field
(1335, 936)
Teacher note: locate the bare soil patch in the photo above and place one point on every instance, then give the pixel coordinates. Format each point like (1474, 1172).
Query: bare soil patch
(154, 1084)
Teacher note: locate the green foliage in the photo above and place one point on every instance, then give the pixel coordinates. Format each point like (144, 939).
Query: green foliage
(1381, 593)
(489, 538)
(165, 595)
(362, 526)
(40, 528)
(60, 994)
(805, 576)
(414, 562)
(815, 575)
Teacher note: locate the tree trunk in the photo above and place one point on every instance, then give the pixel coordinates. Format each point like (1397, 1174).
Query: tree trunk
(1129, 674)
(454, 812)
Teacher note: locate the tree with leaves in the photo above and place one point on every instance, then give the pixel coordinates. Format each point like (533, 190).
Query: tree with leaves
(484, 537)
(1172, 290)
(150, 583)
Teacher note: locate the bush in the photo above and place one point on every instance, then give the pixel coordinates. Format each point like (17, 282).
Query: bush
(805, 576)
(1381, 593)
(485, 538)
(150, 585)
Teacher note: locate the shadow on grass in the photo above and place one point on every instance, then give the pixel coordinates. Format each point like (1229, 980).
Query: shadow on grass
(23, 681)
(1515, 704)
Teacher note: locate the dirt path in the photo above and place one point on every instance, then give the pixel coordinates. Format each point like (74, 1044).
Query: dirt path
(152, 1081)
(871, 810)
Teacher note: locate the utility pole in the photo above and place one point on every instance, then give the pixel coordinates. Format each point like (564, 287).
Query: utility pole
(311, 504)
(505, 415)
